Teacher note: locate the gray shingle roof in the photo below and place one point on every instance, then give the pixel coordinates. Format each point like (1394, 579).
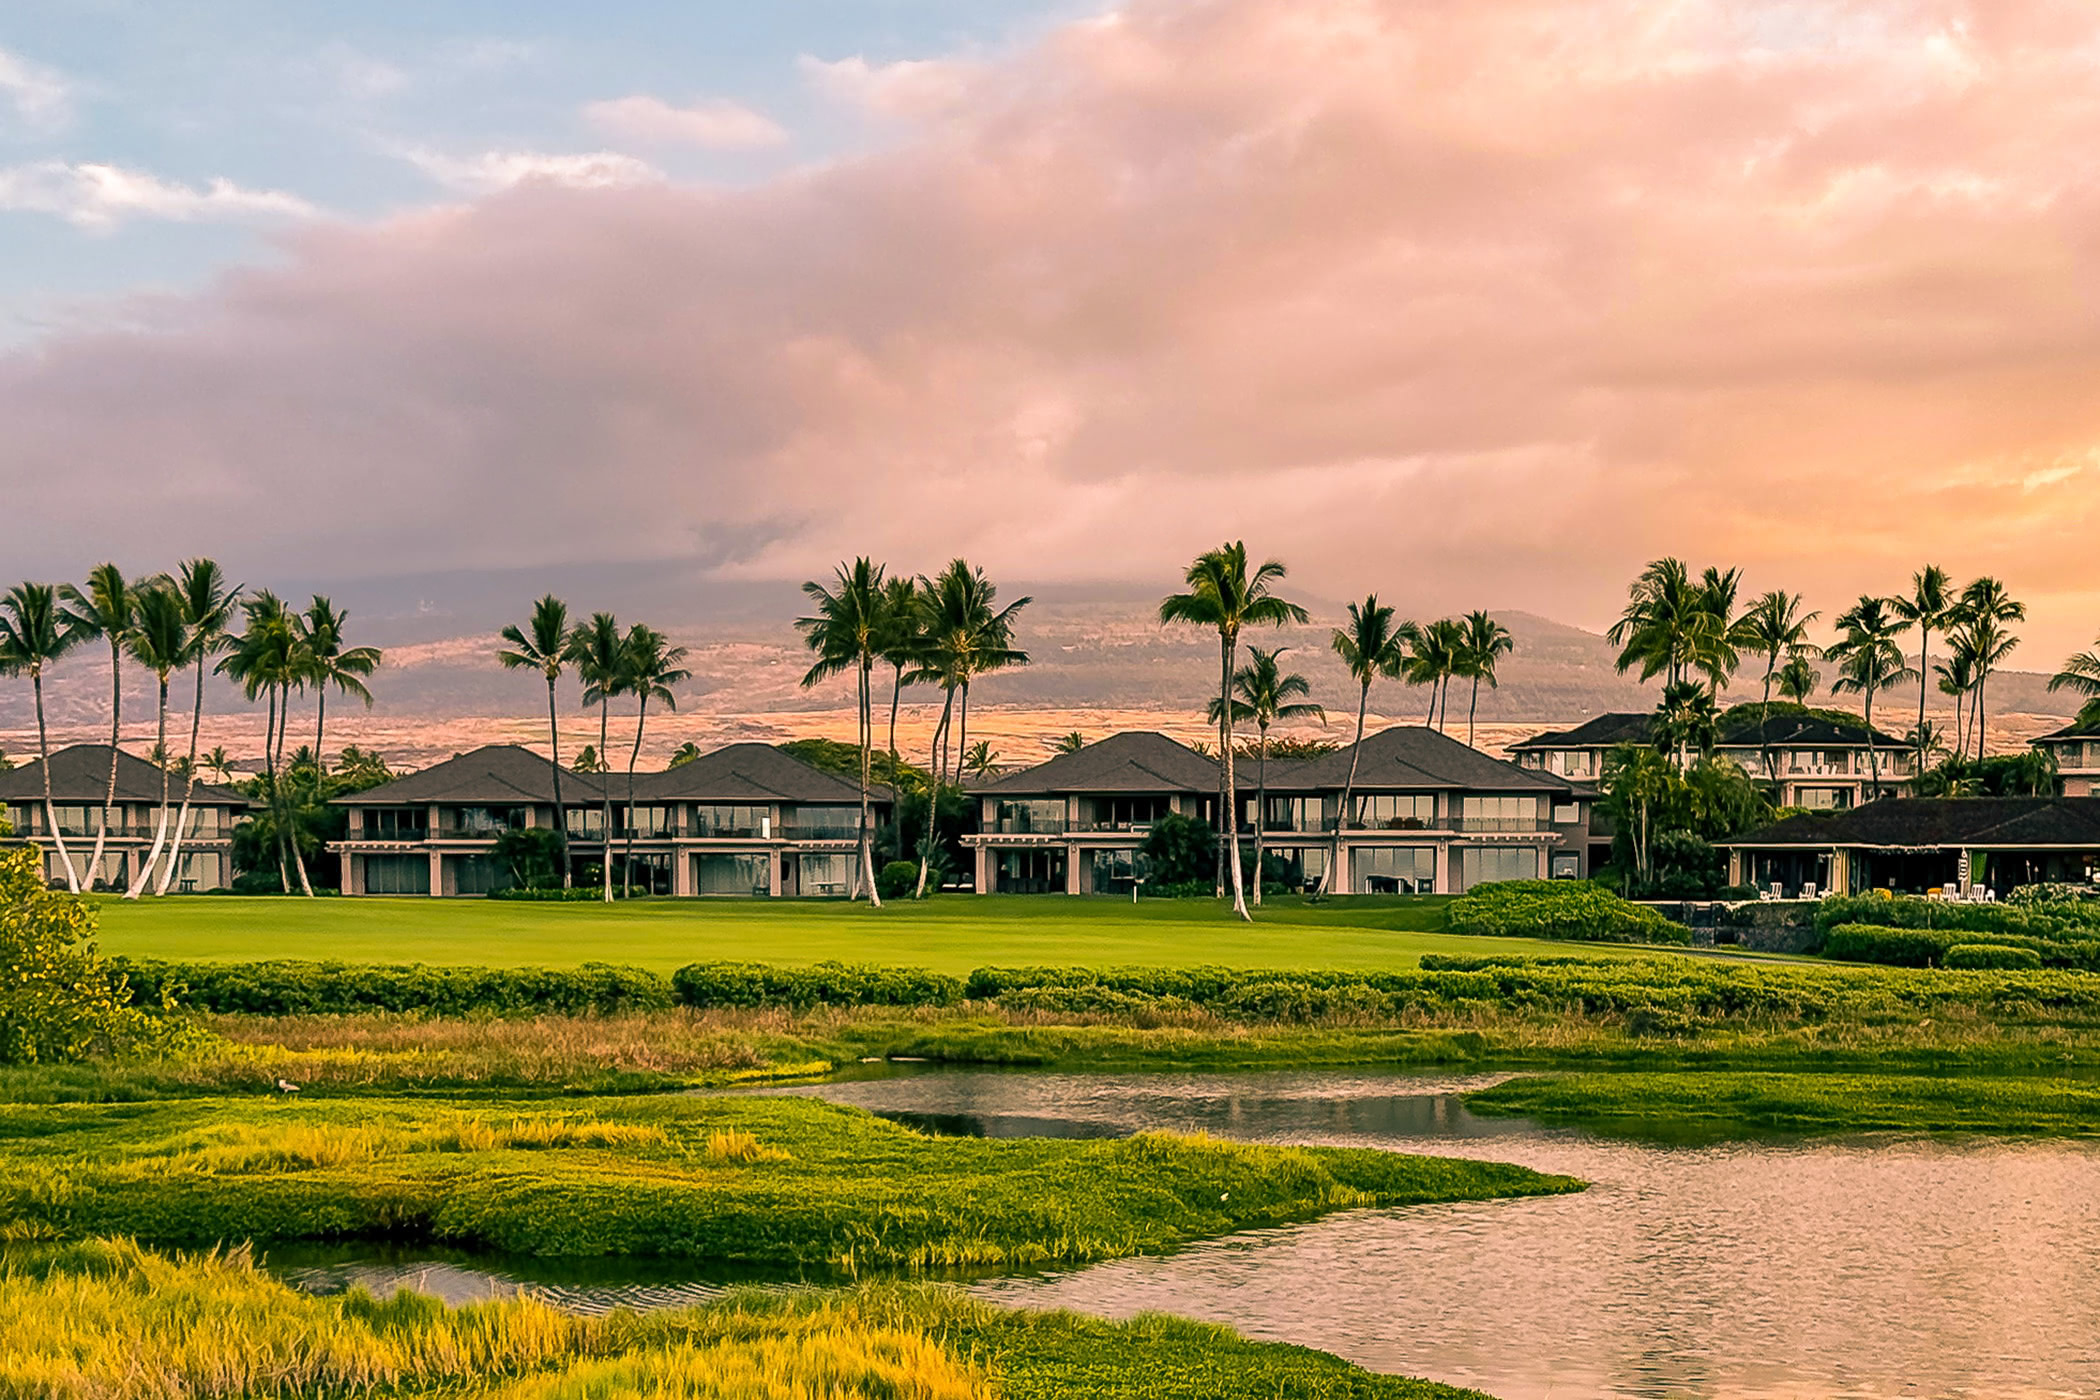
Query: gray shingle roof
(1412, 757)
(1139, 761)
(1787, 725)
(1940, 822)
(750, 772)
(80, 775)
(1619, 727)
(489, 776)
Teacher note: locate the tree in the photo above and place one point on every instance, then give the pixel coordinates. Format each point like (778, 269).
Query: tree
(59, 1001)
(982, 761)
(845, 631)
(1716, 635)
(104, 609)
(902, 641)
(207, 608)
(1371, 644)
(648, 671)
(33, 636)
(1799, 678)
(1930, 608)
(1774, 626)
(1224, 595)
(159, 640)
(1869, 660)
(1434, 656)
(330, 663)
(1068, 743)
(597, 651)
(1178, 849)
(1986, 608)
(542, 645)
(218, 764)
(1636, 778)
(687, 752)
(1264, 694)
(588, 761)
(1687, 721)
(265, 660)
(1484, 643)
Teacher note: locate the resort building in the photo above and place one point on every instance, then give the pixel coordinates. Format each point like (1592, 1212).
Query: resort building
(1819, 759)
(2076, 749)
(743, 820)
(1912, 845)
(80, 783)
(1429, 814)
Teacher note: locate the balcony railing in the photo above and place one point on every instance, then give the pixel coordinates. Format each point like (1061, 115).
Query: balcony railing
(821, 831)
(1499, 824)
(455, 832)
(727, 831)
(1029, 826)
(1110, 825)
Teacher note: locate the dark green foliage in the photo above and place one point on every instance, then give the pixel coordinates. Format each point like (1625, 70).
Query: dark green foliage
(1180, 850)
(2071, 919)
(897, 879)
(585, 891)
(842, 760)
(59, 1000)
(305, 790)
(1989, 955)
(1562, 909)
(824, 984)
(533, 855)
(2028, 774)
(309, 988)
(1927, 947)
(1686, 866)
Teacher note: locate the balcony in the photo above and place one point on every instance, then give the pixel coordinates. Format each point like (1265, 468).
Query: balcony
(452, 832)
(1488, 824)
(1028, 826)
(728, 831)
(822, 831)
(1136, 827)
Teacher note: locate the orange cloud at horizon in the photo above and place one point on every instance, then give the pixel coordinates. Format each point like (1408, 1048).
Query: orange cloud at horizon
(1470, 304)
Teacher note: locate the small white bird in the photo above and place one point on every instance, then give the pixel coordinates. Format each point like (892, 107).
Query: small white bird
(285, 1086)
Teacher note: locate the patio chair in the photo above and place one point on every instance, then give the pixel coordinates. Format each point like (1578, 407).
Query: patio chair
(1808, 891)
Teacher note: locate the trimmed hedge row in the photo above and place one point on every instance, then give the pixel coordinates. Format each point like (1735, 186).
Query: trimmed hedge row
(2069, 920)
(1564, 909)
(1929, 947)
(287, 988)
(1990, 955)
(716, 984)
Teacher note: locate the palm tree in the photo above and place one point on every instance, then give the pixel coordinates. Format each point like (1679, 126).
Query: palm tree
(650, 669)
(542, 645)
(218, 764)
(1263, 694)
(160, 641)
(1636, 778)
(1485, 642)
(588, 760)
(1774, 626)
(1930, 608)
(1435, 657)
(1222, 594)
(1371, 644)
(1986, 607)
(1068, 743)
(981, 761)
(596, 650)
(330, 663)
(1656, 630)
(104, 609)
(687, 752)
(1798, 678)
(1715, 636)
(1687, 718)
(207, 608)
(901, 642)
(845, 631)
(266, 661)
(32, 636)
(1869, 660)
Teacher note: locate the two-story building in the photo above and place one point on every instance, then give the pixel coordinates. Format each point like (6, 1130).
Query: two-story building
(2076, 749)
(1817, 759)
(79, 785)
(1428, 815)
(743, 820)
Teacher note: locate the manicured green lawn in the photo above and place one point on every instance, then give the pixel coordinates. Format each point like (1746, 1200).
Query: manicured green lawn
(953, 933)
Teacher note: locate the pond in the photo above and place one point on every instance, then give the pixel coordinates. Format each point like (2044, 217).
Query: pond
(1864, 1267)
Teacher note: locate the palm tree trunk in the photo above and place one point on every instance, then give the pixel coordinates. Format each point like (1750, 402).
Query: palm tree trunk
(143, 876)
(1981, 677)
(641, 716)
(1472, 705)
(43, 748)
(1261, 805)
(561, 813)
(867, 744)
(291, 836)
(284, 865)
(1764, 722)
(1232, 812)
(938, 759)
(1873, 756)
(189, 787)
(896, 694)
(962, 717)
(1356, 751)
(320, 724)
(1924, 679)
(605, 794)
(116, 715)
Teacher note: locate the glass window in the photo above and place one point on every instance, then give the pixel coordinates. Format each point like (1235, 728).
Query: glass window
(474, 874)
(733, 874)
(1566, 813)
(733, 819)
(1035, 814)
(1567, 866)
(1127, 813)
(482, 821)
(396, 823)
(825, 823)
(1501, 813)
(1479, 865)
(1393, 869)
(1113, 872)
(1296, 814)
(397, 874)
(829, 874)
(1395, 811)
(1031, 872)
(645, 822)
(586, 823)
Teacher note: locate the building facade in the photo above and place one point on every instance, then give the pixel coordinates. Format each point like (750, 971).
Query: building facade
(744, 820)
(1916, 844)
(1428, 815)
(80, 783)
(1820, 760)
(2076, 750)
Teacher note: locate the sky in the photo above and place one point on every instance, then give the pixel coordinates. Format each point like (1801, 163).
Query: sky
(1470, 305)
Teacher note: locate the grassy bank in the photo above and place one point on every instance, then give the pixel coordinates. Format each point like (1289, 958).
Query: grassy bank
(953, 933)
(117, 1322)
(784, 1181)
(1714, 1106)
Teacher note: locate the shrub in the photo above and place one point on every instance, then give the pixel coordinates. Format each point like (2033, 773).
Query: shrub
(1206, 888)
(1928, 947)
(823, 984)
(577, 894)
(1566, 909)
(58, 1000)
(2062, 921)
(2048, 892)
(1990, 955)
(897, 879)
(1180, 850)
(331, 988)
(533, 855)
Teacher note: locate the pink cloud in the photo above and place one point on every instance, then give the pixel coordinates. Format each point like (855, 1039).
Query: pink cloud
(1473, 304)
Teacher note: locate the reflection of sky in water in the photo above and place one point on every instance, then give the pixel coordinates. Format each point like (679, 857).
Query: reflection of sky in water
(1839, 1268)
(1855, 1268)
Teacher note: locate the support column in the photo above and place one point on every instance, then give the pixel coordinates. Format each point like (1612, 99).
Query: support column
(773, 882)
(983, 883)
(353, 868)
(1071, 868)
(437, 874)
